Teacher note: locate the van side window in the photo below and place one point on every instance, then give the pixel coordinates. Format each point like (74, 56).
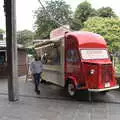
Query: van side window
(51, 55)
(72, 55)
(76, 55)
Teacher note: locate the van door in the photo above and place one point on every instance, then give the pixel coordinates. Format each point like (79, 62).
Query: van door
(73, 65)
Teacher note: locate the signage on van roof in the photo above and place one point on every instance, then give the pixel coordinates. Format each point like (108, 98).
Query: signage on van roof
(59, 31)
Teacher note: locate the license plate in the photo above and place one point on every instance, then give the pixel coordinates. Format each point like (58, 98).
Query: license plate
(107, 84)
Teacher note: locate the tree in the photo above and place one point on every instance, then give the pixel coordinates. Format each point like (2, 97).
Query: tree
(25, 37)
(1, 31)
(109, 28)
(82, 12)
(46, 20)
(106, 12)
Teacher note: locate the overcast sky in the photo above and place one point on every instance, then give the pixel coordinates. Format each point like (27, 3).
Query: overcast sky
(25, 8)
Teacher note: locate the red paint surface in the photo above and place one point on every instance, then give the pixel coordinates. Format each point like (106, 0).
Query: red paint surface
(79, 71)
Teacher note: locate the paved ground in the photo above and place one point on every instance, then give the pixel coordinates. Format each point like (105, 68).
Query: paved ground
(53, 105)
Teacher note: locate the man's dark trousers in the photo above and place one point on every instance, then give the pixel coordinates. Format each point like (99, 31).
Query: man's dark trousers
(36, 80)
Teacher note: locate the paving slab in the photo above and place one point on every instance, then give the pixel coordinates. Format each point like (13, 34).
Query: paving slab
(52, 104)
(50, 91)
(29, 108)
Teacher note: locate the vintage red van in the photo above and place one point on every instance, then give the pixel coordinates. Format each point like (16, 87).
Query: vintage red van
(87, 63)
(78, 61)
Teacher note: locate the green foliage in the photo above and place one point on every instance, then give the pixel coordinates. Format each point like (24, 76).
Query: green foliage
(106, 12)
(1, 31)
(109, 28)
(25, 37)
(58, 10)
(1, 34)
(117, 66)
(82, 12)
(31, 51)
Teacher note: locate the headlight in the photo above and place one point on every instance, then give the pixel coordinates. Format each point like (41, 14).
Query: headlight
(92, 71)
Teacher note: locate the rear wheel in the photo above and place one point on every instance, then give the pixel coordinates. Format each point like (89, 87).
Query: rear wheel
(71, 90)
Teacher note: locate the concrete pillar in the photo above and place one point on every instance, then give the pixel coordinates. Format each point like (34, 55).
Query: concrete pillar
(10, 12)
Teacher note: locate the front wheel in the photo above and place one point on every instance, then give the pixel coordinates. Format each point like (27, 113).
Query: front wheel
(103, 93)
(71, 90)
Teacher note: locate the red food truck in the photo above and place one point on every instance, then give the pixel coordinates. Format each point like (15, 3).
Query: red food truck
(78, 61)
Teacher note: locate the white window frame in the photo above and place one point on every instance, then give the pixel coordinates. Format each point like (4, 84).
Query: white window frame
(86, 56)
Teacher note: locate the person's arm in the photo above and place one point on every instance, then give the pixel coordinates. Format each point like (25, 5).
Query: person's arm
(31, 67)
(41, 66)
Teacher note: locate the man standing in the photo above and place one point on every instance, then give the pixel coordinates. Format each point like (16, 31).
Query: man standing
(36, 68)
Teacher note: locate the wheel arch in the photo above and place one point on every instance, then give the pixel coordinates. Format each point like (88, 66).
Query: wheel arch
(70, 78)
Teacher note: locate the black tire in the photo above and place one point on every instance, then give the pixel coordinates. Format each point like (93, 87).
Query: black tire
(71, 89)
(103, 93)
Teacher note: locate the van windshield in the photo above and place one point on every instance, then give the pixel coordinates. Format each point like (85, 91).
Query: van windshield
(94, 54)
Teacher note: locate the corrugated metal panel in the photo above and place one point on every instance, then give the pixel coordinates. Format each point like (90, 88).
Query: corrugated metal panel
(2, 43)
(107, 73)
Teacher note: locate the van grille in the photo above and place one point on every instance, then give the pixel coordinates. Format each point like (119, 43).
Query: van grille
(106, 73)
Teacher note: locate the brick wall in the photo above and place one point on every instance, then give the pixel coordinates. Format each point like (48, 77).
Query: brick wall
(22, 64)
(22, 68)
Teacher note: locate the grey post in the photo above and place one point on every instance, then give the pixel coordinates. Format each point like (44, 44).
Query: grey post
(10, 12)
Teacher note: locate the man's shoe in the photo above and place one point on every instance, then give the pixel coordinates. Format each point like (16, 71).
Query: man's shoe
(38, 92)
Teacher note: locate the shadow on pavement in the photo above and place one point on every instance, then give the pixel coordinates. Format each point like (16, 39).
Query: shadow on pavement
(50, 91)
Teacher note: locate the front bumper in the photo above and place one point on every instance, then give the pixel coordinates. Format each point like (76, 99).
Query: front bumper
(104, 89)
